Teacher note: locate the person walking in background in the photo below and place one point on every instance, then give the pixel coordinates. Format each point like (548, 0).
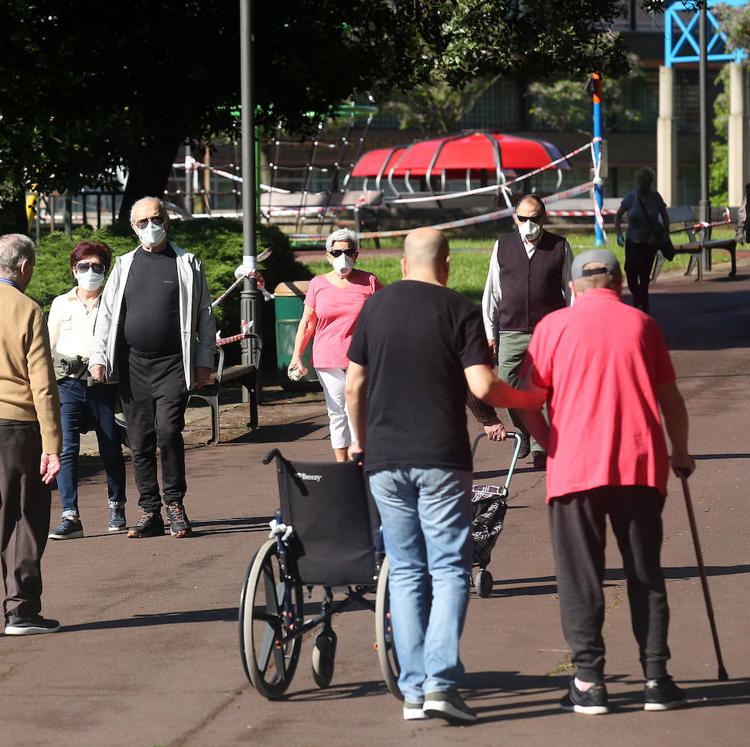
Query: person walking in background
(605, 371)
(528, 278)
(647, 219)
(84, 403)
(332, 305)
(156, 333)
(30, 440)
(417, 348)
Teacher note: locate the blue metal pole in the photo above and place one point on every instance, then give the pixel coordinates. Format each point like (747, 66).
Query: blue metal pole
(598, 195)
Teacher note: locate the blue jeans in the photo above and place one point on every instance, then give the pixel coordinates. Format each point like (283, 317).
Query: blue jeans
(92, 406)
(426, 518)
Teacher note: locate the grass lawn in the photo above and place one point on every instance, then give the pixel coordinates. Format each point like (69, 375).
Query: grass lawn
(470, 257)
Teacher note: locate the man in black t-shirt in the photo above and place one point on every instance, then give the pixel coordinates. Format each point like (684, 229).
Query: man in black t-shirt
(155, 333)
(416, 348)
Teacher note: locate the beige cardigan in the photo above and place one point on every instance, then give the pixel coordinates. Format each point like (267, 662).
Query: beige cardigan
(28, 391)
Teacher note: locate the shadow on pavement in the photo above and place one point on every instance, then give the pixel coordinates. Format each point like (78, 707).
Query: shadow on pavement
(223, 614)
(279, 433)
(231, 525)
(617, 574)
(704, 320)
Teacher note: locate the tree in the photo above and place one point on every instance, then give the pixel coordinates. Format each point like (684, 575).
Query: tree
(565, 104)
(88, 86)
(437, 107)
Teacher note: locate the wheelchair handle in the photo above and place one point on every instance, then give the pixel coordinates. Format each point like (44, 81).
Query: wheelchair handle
(268, 458)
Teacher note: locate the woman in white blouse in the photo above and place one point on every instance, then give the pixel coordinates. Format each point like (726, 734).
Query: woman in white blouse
(85, 404)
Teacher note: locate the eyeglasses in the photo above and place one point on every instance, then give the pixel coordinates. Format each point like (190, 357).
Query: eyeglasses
(86, 266)
(524, 218)
(339, 252)
(157, 220)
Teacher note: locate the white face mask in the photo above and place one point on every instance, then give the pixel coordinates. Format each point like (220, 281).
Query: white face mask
(529, 230)
(151, 235)
(343, 264)
(90, 280)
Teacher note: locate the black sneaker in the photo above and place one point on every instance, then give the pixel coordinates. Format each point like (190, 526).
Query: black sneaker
(663, 695)
(33, 625)
(448, 705)
(592, 703)
(523, 452)
(179, 524)
(413, 711)
(117, 521)
(149, 525)
(68, 529)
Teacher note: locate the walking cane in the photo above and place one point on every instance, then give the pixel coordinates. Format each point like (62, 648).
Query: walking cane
(704, 581)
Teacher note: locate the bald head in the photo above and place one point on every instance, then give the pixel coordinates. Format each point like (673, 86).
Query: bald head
(425, 246)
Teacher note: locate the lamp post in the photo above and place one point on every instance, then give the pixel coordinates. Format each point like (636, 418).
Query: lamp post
(250, 297)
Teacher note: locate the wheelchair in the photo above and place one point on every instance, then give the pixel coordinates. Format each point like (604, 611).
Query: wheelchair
(326, 533)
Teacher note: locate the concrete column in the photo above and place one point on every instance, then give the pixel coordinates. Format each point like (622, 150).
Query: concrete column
(737, 136)
(666, 138)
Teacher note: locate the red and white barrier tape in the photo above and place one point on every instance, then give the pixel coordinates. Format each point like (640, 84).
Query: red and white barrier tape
(460, 223)
(577, 213)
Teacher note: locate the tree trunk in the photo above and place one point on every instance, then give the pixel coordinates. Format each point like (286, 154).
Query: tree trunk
(13, 212)
(148, 173)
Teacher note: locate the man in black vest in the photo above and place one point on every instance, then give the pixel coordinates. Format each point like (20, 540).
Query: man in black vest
(528, 278)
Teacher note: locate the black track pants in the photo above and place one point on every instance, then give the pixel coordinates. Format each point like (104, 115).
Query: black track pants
(578, 524)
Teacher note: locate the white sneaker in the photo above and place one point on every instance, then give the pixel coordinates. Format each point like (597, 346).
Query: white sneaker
(413, 711)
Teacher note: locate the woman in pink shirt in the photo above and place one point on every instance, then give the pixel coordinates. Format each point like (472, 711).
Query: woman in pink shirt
(332, 305)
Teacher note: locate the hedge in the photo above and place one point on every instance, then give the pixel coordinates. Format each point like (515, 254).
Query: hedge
(218, 243)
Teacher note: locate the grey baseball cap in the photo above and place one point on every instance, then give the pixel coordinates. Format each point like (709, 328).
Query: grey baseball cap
(606, 261)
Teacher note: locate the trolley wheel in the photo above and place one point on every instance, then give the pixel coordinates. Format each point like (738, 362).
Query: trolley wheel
(384, 634)
(271, 609)
(483, 583)
(324, 658)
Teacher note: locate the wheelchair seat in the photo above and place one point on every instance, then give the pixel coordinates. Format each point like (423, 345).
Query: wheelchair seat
(334, 519)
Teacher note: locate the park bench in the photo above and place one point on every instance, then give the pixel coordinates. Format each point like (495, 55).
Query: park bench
(245, 374)
(699, 245)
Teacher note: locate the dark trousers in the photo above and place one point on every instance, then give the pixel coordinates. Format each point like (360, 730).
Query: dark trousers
(639, 260)
(154, 396)
(85, 407)
(24, 517)
(511, 353)
(578, 523)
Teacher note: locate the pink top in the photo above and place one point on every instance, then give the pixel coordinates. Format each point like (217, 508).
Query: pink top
(602, 362)
(337, 310)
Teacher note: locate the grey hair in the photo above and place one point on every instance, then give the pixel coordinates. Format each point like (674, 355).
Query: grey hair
(342, 234)
(14, 248)
(162, 206)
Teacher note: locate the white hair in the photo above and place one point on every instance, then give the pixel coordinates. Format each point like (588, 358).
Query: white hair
(162, 207)
(342, 234)
(14, 248)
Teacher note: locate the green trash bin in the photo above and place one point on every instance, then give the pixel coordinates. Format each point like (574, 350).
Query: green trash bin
(289, 300)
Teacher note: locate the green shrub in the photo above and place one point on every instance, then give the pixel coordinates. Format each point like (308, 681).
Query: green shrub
(218, 243)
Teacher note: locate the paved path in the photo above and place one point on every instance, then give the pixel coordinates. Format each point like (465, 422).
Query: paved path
(149, 653)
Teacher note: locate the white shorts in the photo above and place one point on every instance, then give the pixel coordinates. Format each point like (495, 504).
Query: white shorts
(333, 381)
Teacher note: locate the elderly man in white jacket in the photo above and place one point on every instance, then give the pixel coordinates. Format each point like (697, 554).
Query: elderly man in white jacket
(155, 333)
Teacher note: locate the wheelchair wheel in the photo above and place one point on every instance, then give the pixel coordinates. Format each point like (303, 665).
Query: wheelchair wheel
(324, 658)
(270, 610)
(384, 634)
(483, 583)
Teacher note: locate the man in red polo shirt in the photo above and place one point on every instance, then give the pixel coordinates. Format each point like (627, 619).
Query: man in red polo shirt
(606, 371)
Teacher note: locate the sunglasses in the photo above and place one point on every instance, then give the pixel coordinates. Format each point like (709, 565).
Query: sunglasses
(524, 218)
(86, 266)
(339, 252)
(157, 220)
